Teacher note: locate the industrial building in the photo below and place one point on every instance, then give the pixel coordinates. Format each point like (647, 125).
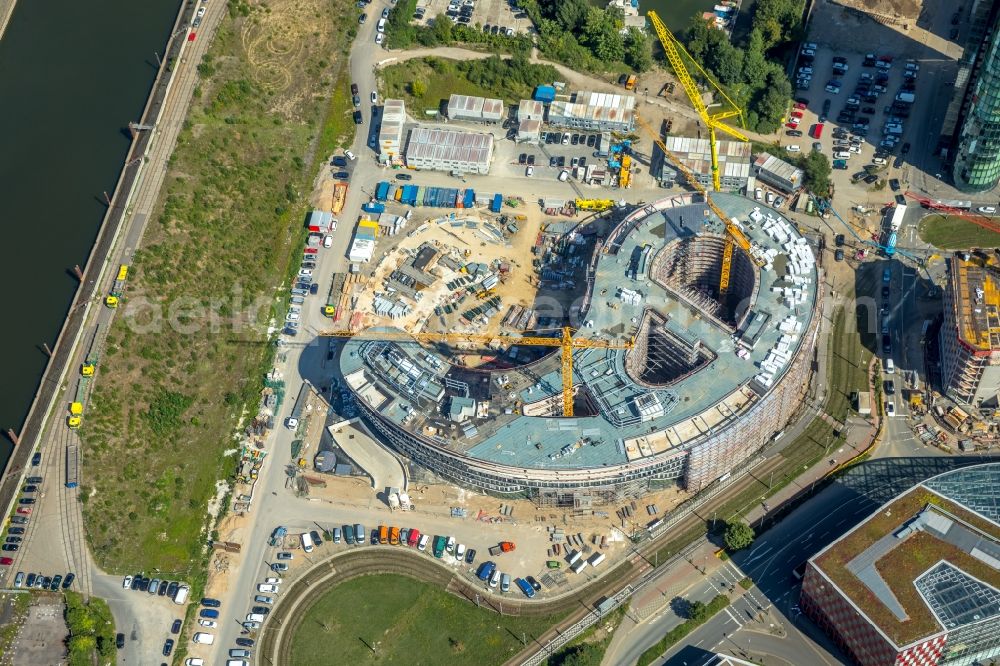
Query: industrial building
(777, 173)
(973, 118)
(475, 109)
(530, 109)
(696, 155)
(594, 111)
(529, 131)
(918, 581)
(441, 149)
(390, 133)
(970, 334)
(706, 384)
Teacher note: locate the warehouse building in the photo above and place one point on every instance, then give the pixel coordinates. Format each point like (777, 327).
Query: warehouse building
(475, 109)
(778, 173)
(529, 131)
(530, 109)
(696, 155)
(449, 150)
(918, 581)
(594, 111)
(970, 334)
(390, 133)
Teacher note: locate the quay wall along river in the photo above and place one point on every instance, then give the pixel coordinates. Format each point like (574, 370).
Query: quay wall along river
(87, 305)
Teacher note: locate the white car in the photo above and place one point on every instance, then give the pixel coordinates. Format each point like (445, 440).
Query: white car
(495, 578)
(758, 193)
(127, 582)
(460, 552)
(348, 154)
(194, 661)
(208, 623)
(201, 12)
(529, 171)
(793, 148)
(255, 617)
(328, 241)
(292, 316)
(379, 38)
(305, 272)
(267, 587)
(272, 580)
(989, 210)
(374, 98)
(890, 408)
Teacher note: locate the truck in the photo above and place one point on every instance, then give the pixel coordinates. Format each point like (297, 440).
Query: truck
(89, 366)
(630, 82)
(502, 547)
(439, 543)
(118, 288)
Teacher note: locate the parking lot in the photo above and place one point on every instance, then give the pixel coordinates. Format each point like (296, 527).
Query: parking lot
(863, 121)
(494, 15)
(915, 156)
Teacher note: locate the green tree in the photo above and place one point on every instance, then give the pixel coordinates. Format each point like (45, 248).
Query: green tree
(727, 63)
(585, 654)
(442, 29)
(772, 102)
(418, 88)
(738, 536)
(697, 611)
(570, 14)
(755, 62)
(602, 33)
(816, 168)
(638, 53)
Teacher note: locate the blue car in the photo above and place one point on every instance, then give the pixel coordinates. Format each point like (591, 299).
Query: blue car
(525, 587)
(209, 613)
(486, 570)
(211, 603)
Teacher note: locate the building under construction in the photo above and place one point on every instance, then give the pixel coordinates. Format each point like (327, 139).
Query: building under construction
(708, 381)
(970, 335)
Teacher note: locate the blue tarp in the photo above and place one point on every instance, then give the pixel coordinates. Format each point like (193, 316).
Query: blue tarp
(545, 94)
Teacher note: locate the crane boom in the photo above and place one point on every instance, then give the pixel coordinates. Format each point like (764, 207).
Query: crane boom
(674, 50)
(566, 341)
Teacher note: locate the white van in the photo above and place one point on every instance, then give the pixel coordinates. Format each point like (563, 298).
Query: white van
(307, 542)
(204, 638)
(237, 662)
(842, 155)
(564, 175)
(381, 25)
(423, 542)
(255, 617)
(890, 367)
(181, 596)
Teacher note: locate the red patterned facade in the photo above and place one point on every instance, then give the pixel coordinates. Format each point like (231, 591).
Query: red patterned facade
(855, 634)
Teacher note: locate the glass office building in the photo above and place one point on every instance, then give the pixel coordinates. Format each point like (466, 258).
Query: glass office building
(977, 155)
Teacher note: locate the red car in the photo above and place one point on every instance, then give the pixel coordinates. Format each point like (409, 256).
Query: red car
(796, 114)
(191, 37)
(792, 125)
(800, 105)
(24, 510)
(6, 561)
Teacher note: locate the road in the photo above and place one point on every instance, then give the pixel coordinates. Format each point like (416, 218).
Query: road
(770, 562)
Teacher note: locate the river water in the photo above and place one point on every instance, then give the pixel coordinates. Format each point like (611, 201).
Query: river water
(72, 76)
(677, 14)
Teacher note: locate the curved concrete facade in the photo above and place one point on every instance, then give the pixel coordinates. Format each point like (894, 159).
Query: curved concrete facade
(757, 357)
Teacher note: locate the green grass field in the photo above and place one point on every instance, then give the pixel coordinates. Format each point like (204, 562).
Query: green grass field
(390, 619)
(949, 233)
(176, 373)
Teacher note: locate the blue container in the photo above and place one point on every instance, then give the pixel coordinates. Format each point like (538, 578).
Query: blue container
(497, 203)
(545, 94)
(382, 191)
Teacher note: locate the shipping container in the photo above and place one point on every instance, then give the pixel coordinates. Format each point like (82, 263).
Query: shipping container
(497, 204)
(382, 191)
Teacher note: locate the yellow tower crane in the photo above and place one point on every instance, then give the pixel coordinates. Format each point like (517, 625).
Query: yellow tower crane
(735, 234)
(566, 341)
(712, 121)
